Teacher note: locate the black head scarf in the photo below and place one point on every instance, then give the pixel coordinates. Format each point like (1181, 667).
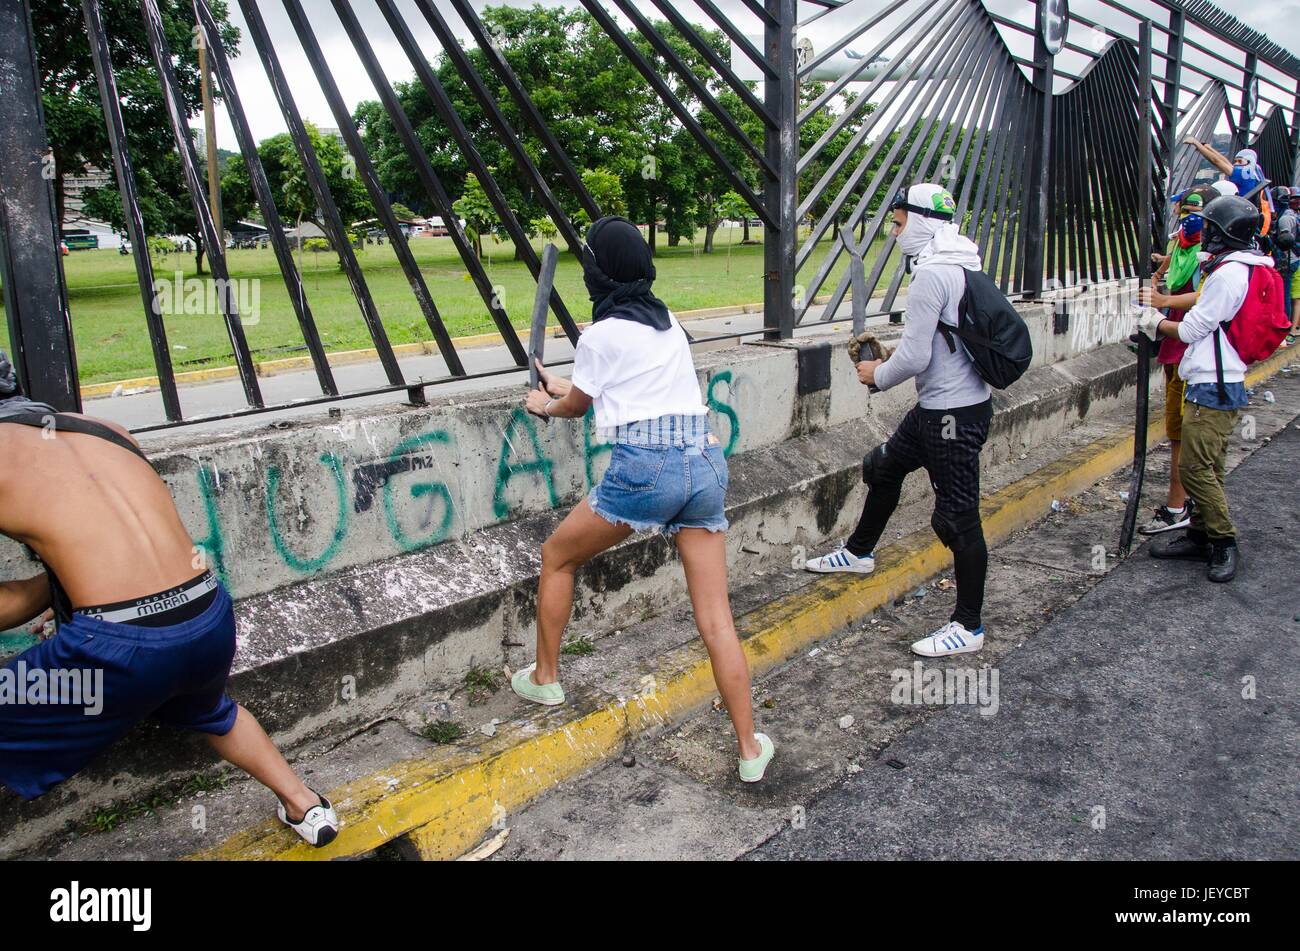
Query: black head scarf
(619, 273)
(12, 402)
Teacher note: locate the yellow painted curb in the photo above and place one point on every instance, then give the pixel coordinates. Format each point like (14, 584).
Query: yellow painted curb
(346, 357)
(448, 800)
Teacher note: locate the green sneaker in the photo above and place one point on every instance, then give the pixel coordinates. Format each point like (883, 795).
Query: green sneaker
(548, 695)
(752, 770)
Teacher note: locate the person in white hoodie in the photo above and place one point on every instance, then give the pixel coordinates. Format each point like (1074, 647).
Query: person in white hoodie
(1215, 376)
(945, 431)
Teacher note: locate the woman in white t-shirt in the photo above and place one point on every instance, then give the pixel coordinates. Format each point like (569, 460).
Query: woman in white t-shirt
(666, 472)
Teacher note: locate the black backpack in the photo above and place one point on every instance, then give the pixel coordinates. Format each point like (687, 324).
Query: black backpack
(995, 335)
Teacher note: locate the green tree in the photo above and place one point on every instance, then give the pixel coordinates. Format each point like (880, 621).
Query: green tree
(480, 217)
(607, 190)
(73, 115)
(287, 178)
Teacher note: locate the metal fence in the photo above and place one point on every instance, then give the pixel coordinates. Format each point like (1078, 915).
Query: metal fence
(1059, 135)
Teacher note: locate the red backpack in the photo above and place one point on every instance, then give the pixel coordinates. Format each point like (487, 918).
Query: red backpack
(1262, 323)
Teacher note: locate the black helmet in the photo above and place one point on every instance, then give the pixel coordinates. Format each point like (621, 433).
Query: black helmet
(1231, 223)
(1282, 194)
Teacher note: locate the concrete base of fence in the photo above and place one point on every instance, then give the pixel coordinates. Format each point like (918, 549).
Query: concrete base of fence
(332, 653)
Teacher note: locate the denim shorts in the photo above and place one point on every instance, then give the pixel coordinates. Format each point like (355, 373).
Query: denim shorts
(664, 477)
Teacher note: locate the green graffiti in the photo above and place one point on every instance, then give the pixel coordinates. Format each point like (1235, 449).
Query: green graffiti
(590, 447)
(308, 565)
(507, 470)
(214, 546)
(418, 491)
(718, 406)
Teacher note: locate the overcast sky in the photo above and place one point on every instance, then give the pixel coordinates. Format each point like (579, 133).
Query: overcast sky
(265, 119)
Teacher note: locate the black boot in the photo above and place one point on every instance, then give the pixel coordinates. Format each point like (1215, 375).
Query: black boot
(1224, 560)
(1192, 546)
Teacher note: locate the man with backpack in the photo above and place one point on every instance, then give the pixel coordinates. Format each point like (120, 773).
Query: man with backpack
(946, 430)
(1237, 320)
(1285, 252)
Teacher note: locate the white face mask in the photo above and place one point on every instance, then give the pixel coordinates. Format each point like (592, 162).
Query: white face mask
(916, 235)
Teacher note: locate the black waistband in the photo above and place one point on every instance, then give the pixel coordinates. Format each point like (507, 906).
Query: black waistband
(164, 609)
(975, 413)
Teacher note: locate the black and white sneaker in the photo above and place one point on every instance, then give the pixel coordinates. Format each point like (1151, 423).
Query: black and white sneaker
(319, 826)
(1167, 519)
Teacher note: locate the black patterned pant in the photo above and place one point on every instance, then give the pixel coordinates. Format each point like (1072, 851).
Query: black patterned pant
(947, 444)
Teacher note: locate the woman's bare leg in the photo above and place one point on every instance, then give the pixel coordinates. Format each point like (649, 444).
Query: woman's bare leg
(249, 748)
(580, 537)
(704, 556)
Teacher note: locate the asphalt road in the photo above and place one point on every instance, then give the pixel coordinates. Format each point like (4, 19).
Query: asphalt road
(1159, 712)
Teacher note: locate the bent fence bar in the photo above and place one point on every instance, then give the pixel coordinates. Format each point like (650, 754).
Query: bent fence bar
(1060, 135)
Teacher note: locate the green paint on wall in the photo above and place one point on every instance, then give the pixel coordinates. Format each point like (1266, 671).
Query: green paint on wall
(419, 490)
(725, 409)
(308, 565)
(591, 448)
(507, 470)
(214, 545)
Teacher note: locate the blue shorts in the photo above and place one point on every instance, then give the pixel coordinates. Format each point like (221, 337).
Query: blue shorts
(665, 487)
(66, 699)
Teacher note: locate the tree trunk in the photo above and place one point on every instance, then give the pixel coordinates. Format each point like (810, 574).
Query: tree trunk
(198, 255)
(745, 238)
(674, 240)
(710, 230)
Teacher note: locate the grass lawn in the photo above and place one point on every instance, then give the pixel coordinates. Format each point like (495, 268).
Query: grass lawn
(112, 341)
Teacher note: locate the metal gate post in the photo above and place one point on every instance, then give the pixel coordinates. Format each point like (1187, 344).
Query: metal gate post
(1038, 181)
(31, 265)
(780, 195)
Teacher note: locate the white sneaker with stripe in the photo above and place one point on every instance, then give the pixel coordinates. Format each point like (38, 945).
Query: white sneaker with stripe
(320, 825)
(842, 560)
(950, 639)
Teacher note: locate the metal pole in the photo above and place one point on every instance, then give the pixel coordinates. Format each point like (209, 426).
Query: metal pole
(210, 135)
(1145, 348)
(35, 296)
(1242, 138)
(1038, 184)
(1169, 102)
(780, 194)
(110, 101)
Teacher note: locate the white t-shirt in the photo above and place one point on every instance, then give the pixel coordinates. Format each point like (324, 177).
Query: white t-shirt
(634, 372)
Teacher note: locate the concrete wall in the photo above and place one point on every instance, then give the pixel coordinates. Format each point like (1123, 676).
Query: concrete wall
(340, 625)
(273, 507)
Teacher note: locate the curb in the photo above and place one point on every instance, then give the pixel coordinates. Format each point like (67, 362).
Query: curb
(446, 802)
(429, 348)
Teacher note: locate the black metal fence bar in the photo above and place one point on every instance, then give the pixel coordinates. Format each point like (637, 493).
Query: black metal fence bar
(451, 47)
(369, 176)
(35, 296)
(331, 220)
(716, 62)
(433, 186)
(124, 174)
(265, 202)
(679, 109)
(442, 103)
(527, 107)
(695, 85)
(194, 184)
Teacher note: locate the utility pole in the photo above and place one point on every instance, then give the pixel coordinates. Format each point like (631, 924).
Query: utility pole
(210, 136)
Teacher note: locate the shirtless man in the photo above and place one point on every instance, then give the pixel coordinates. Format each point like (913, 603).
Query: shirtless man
(144, 629)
